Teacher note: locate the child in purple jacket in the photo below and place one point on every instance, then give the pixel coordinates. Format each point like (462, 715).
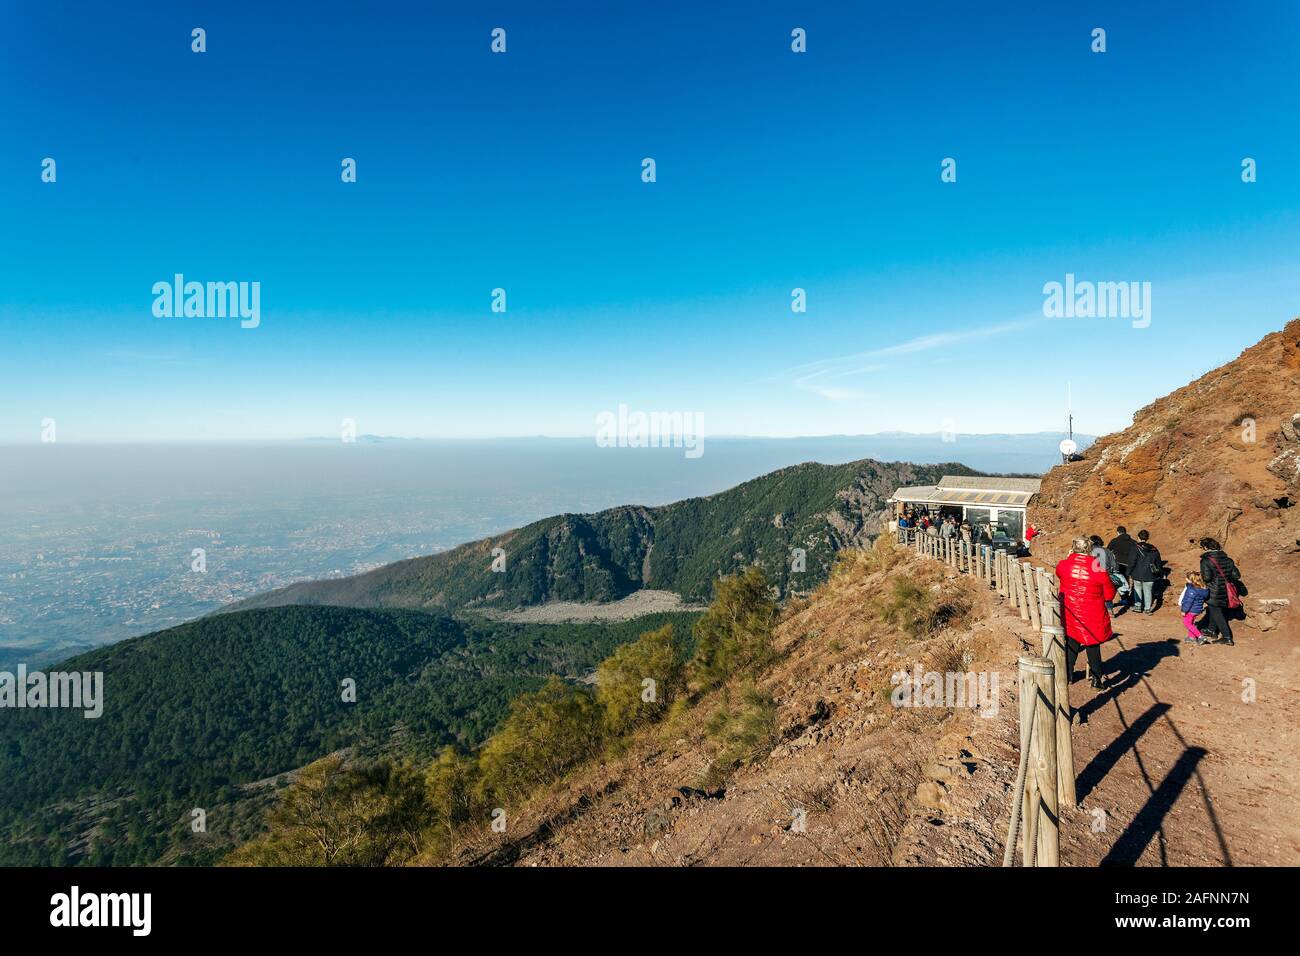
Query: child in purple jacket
(1191, 604)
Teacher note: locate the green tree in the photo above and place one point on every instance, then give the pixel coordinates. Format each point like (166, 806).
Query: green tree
(334, 815)
(548, 732)
(735, 633)
(450, 791)
(625, 697)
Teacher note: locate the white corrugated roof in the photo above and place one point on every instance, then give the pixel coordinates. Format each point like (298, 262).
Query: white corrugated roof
(1031, 485)
(917, 493)
(980, 492)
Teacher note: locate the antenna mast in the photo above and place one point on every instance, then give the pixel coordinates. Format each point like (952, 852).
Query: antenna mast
(1068, 447)
(1069, 406)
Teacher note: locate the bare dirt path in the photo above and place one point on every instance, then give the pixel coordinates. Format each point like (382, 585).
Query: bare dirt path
(1177, 763)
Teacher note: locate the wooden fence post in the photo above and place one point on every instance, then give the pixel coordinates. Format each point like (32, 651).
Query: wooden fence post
(1044, 581)
(1054, 650)
(1023, 699)
(1012, 584)
(1042, 752)
(1041, 813)
(1031, 588)
(1025, 781)
(1051, 601)
(1018, 571)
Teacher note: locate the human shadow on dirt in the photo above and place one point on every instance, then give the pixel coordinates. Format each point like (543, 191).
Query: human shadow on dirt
(1108, 756)
(1137, 835)
(1126, 670)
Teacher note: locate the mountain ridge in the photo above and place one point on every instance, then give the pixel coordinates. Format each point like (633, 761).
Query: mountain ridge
(679, 547)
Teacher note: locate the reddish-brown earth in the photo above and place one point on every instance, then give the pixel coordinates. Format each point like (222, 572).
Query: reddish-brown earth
(1188, 758)
(1218, 457)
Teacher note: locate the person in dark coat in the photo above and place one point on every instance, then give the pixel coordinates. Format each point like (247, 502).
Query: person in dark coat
(1217, 569)
(1124, 549)
(1145, 571)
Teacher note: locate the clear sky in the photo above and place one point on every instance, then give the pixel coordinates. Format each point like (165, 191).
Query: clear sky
(522, 171)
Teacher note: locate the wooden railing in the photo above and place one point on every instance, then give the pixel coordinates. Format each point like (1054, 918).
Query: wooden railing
(1045, 778)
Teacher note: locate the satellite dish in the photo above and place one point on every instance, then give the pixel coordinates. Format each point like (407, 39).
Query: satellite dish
(1068, 447)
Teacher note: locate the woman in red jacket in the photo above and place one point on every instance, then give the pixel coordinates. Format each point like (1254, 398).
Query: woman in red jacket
(1085, 589)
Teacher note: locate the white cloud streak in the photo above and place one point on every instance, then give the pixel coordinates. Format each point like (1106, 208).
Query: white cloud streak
(815, 376)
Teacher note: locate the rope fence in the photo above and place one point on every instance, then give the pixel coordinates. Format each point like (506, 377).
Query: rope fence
(1045, 777)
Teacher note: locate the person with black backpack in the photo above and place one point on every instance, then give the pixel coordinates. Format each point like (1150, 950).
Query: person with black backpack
(1124, 548)
(1145, 570)
(1223, 581)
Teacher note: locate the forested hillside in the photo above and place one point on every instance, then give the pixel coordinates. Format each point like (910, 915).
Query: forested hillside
(681, 547)
(197, 714)
(194, 712)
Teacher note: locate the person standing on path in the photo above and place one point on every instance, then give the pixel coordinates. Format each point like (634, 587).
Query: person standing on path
(1085, 589)
(1125, 549)
(1222, 580)
(1145, 570)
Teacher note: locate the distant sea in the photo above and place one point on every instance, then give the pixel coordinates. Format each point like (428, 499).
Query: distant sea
(103, 542)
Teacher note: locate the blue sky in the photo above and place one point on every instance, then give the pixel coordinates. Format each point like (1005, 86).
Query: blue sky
(522, 171)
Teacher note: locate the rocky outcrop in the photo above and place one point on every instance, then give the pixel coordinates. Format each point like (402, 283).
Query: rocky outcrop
(1218, 457)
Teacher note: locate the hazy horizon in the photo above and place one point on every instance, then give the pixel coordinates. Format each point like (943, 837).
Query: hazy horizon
(371, 438)
(97, 541)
